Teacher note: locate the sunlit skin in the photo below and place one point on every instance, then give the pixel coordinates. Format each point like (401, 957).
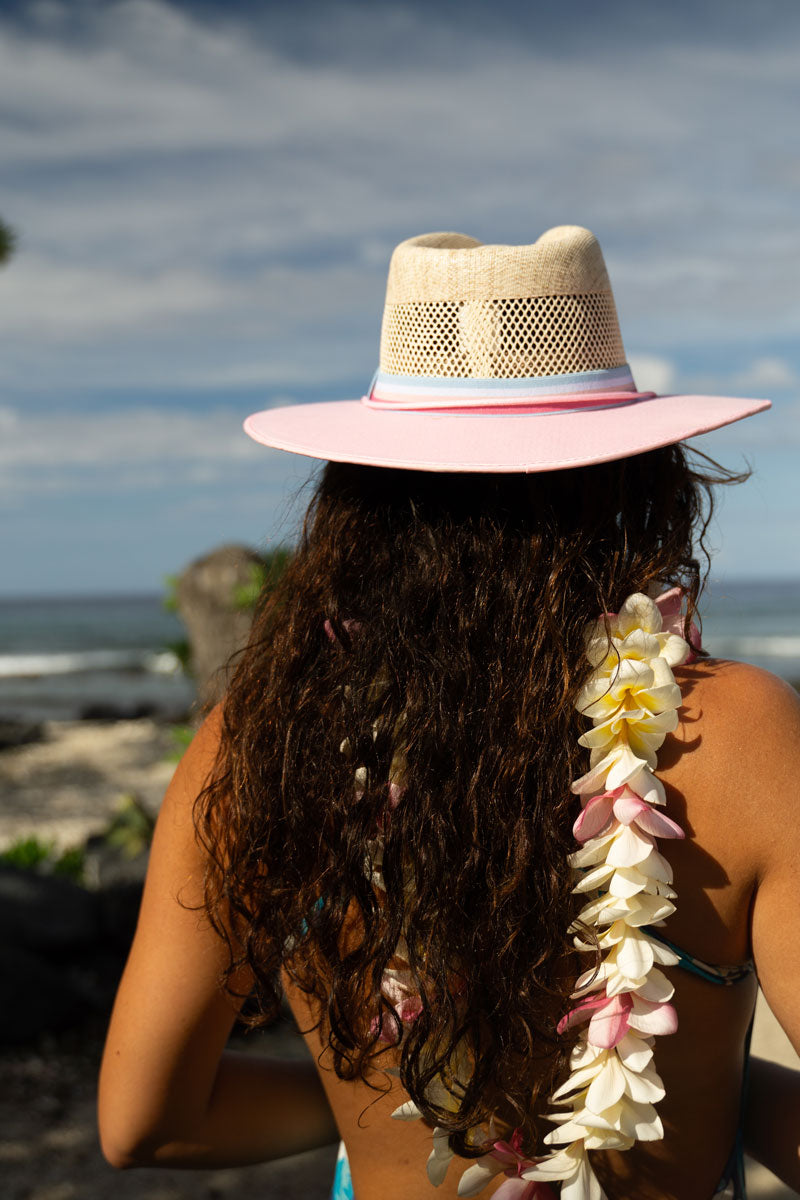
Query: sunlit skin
(171, 1095)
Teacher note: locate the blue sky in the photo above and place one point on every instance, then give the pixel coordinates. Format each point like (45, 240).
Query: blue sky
(206, 197)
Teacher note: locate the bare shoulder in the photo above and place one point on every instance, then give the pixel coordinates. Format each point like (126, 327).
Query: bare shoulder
(734, 696)
(733, 675)
(177, 853)
(741, 726)
(197, 764)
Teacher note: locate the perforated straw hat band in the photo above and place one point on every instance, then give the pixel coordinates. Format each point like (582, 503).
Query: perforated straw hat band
(497, 358)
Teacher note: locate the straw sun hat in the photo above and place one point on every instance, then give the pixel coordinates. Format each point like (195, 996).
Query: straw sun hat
(497, 358)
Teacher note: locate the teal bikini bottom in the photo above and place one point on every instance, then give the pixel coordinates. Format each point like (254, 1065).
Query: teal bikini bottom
(342, 1181)
(732, 1183)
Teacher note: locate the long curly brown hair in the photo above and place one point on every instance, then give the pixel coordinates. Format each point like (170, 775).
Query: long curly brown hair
(439, 618)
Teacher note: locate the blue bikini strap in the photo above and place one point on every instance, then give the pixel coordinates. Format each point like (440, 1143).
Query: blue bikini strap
(712, 972)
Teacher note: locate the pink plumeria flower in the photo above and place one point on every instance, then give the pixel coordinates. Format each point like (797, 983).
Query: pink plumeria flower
(608, 1018)
(628, 808)
(670, 605)
(397, 988)
(524, 1189)
(510, 1155)
(407, 1012)
(506, 1158)
(396, 793)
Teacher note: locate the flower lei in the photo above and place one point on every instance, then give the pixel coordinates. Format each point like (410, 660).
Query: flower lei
(608, 1100)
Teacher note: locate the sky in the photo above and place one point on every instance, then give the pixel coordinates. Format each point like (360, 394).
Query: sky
(206, 197)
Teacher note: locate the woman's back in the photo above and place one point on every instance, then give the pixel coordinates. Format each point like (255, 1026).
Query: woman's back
(728, 774)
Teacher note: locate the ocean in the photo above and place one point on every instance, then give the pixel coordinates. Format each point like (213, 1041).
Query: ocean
(65, 659)
(756, 622)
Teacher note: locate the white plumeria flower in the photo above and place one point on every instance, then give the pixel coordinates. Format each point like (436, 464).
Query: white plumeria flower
(629, 683)
(634, 1050)
(373, 863)
(638, 614)
(604, 1080)
(594, 851)
(648, 787)
(480, 1175)
(632, 700)
(625, 1119)
(619, 766)
(642, 909)
(643, 731)
(572, 1167)
(615, 933)
(440, 1156)
(407, 1112)
(613, 975)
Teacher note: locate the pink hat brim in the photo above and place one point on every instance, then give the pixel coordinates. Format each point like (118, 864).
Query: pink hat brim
(349, 431)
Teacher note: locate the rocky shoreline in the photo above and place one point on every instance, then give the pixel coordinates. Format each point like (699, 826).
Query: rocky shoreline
(64, 781)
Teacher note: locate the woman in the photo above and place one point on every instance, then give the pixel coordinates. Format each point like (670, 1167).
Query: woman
(393, 817)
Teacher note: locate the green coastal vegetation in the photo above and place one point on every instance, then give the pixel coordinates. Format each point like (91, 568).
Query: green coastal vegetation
(263, 578)
(128, 833)
(38, 854)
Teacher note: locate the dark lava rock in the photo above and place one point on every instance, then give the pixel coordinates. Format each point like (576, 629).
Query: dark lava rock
(42, 912)
(105, 711)
(106, 866)
(19, 733)
(119, 911)
(217, 624)
(35, 995)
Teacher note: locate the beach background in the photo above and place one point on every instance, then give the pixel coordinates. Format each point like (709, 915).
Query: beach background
(203, 196)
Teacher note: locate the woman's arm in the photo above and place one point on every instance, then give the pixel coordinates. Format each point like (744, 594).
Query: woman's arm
(772, 712)
(169, 1093)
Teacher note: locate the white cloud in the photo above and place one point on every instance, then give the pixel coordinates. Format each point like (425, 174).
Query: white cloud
(652, 373)
(143, 78)
(62, 301)
(114, 440)
(9, 420)
(267, 373)
(767, 374)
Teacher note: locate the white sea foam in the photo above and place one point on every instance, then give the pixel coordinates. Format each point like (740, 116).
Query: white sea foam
(75, 662)
(754, 645)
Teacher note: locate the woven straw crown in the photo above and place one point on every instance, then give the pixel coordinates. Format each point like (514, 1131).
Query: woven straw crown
(458, 309)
